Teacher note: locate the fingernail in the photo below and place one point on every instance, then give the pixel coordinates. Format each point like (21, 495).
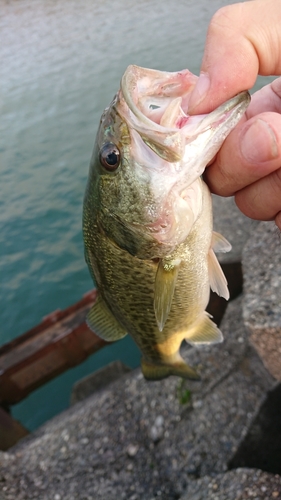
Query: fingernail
(258, 143)
(200, 90)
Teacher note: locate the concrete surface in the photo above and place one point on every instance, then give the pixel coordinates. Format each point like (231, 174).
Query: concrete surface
(240, 484)
(261, 447)
(97, 381)
(262, 294)
(135, 440)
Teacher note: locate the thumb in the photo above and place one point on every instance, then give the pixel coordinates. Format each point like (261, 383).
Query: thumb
(243, 40)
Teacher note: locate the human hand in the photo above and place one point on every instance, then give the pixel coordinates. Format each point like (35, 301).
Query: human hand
(244, 40)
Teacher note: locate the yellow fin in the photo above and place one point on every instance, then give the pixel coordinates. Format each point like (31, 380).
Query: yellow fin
(220, 243)
(165, 282)
(217, 279)
(158, 372)
(204, 332)
(103, 323)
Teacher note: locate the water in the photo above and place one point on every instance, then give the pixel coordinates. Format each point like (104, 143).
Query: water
(61, 62)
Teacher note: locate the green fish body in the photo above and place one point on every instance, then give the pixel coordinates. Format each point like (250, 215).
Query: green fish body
(147, 219)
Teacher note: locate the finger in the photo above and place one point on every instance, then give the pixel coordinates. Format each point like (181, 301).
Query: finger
(243, 40)
(262, 199)
(251, 151)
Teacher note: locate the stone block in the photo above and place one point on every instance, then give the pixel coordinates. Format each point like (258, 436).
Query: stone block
(239, 484)
(97, 381)
(138, 440)
(262, 294)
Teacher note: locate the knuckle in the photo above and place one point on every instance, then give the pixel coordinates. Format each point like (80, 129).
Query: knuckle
(227, 20)
(221, 18)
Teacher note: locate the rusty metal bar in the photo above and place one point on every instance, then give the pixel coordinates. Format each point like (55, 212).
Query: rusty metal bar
(61, 341)
(11, 431)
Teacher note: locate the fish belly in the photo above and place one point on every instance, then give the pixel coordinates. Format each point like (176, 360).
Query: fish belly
(127, 285)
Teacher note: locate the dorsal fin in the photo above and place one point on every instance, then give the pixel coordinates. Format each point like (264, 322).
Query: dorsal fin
(220, 243)
(165, 282)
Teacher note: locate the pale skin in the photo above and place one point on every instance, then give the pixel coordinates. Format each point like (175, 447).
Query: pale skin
(244, 40)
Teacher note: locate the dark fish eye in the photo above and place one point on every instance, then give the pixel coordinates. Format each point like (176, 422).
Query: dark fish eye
(110, 156)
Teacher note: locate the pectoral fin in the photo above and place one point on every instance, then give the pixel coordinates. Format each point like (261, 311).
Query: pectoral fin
(102, 322)
(158, 372)
(204, 332)
(165, 282)
(217, 279)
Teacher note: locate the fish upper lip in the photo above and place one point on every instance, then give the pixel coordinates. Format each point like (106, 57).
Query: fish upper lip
(176, 138)
(168, 138)
(208, 120)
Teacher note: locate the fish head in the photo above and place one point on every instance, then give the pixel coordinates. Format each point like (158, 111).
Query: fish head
(148, 159)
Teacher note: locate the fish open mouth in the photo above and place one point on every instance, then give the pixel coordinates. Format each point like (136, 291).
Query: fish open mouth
(171, 145)
(156, 106)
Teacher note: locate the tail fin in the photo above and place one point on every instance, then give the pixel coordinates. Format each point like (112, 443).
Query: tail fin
(158, 372)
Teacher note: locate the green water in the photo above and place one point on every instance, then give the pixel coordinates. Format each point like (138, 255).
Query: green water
(60, 65)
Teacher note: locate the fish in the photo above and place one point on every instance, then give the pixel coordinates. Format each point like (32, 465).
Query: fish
(147, 218)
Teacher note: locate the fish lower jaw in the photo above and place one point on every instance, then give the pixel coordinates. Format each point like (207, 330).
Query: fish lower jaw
(162, 230)
(171, 235)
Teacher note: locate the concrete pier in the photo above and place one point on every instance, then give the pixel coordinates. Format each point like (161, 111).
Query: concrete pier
(170, 440)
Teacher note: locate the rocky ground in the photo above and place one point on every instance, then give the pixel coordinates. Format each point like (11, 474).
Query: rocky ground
(136, 440)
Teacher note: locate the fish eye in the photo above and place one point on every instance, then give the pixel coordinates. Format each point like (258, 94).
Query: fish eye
(110, 156)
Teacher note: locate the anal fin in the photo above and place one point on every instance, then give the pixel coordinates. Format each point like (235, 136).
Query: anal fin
(158, 372)
(205, 331)
(101, 320)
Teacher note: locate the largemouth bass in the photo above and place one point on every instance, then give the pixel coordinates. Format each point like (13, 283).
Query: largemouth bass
(147, 219)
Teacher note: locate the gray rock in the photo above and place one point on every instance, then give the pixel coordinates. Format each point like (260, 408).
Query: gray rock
(261, 448)
(97, 381)
(262, 286)
(132, 450)
(102, 448)
(240, 484)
